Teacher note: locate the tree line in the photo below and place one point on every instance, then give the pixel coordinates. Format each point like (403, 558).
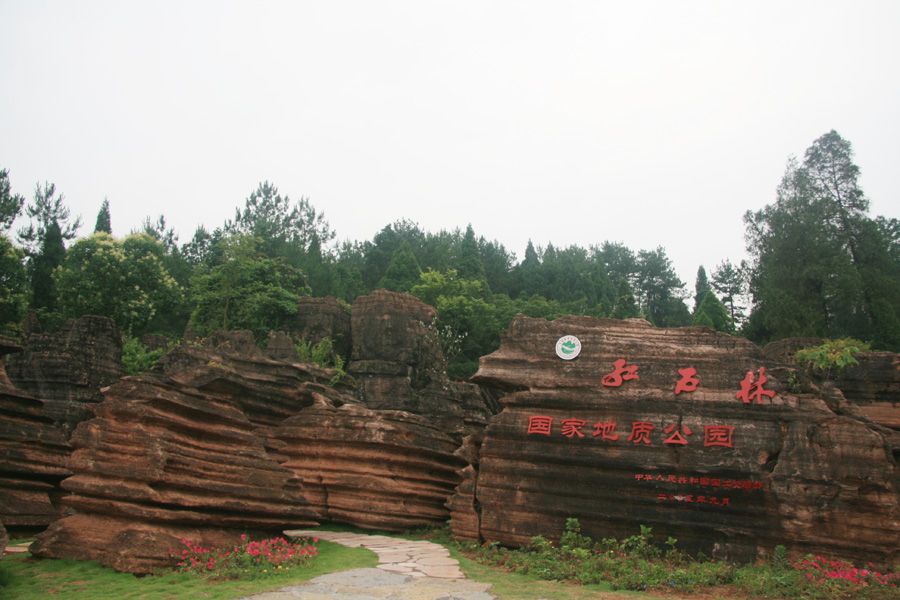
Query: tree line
(819, 266)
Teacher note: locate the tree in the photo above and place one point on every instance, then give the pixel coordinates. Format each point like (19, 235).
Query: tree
(626, 306)
(403, 271)
(246, 290)
(125, 280)
(284, 229)
(468, 263)
(10, 204)
(44, 243)
(730, 282)
(659, 289)
(13, 287)
(103, 219)
(821, 267)
(712, 313)
(701, 286)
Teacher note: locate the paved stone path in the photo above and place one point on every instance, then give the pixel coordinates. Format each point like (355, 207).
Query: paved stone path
(406, 571)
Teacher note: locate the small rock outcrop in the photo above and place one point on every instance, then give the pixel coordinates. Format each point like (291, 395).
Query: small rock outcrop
(67, 369)
(163, 461)
(690, 431)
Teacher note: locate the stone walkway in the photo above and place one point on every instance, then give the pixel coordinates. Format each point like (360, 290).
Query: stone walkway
(406, 571)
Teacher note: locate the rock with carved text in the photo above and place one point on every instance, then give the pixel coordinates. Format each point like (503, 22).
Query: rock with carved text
(691, 432)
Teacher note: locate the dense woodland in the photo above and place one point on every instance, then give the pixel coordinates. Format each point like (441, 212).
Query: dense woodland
(820, 266)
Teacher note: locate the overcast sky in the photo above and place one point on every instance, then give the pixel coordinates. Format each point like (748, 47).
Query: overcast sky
(648, 123)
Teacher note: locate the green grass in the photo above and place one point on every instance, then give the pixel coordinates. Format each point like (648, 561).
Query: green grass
(25, 578)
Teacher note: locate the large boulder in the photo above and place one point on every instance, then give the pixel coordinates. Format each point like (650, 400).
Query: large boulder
(33, 456)
(163, 461)
(690, 431)
(67, 369)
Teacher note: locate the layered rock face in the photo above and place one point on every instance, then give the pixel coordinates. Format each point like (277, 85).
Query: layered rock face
(387, 470)
(33, 456)
(68, 368)
(161, 462)
(398, 364)
(692, 432)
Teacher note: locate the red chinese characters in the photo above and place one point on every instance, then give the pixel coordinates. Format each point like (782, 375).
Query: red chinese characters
(688, 381)
(753, 388)
(606, 429)
(718, 435)
(675, 436)
(620, 374)
(572, 427)
(640, 432)
(539, 424)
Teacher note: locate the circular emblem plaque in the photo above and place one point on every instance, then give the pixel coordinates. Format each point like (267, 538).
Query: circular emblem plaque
(568, 347)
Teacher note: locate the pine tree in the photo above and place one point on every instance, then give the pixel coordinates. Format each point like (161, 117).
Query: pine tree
(103, 220)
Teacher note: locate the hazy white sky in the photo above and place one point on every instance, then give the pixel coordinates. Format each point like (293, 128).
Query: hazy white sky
(650, 123)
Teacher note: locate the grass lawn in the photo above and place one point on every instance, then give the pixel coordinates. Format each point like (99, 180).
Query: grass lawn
(25, 578)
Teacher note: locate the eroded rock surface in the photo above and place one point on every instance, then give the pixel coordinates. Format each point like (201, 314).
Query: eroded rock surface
(67, 369)
(399, 365)
(624, 435)
(163, 461)
(386, 470)
(33, 455)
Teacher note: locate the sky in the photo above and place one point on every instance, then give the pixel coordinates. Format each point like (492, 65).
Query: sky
(650, 123)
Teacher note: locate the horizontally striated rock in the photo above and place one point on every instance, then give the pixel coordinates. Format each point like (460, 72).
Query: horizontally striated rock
(68, 368)
(320, 318)
(399, 365)
(625, 435)
(161, 462)
(373, 469)
(280, 346)
(268, 391)
(33, 455)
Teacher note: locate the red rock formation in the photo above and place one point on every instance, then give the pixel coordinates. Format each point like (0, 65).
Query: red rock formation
(161, 462)
(399, 365)
(266, 390)
(374, 469)
(68, 368)
(717, 473)
(33, 455)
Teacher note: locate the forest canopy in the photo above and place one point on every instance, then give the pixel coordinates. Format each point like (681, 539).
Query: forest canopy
(820, 266)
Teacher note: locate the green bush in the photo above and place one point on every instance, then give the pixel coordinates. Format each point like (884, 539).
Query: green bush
(137, 358)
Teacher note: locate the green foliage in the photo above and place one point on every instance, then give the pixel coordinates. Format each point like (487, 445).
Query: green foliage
(821, 267)
(137, 358)
(125, 280)
(10, 204)
(832, 356)
(321, 354)
(402, 272)
(13, 287)
(246, 290)
(104, 223)
(712, 313)
(637, 564)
